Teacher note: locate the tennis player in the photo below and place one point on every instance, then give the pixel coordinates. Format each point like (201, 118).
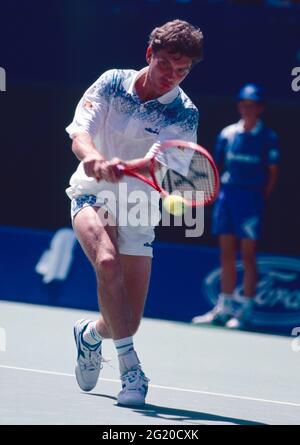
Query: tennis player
(248, 153)
(124, 114)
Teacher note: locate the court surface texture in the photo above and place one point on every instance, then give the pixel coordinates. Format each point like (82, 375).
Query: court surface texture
(198, 375)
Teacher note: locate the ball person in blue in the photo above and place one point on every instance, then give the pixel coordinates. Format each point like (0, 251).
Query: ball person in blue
(247, 154)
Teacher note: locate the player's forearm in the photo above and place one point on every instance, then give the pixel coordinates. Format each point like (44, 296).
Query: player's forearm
(139, 164)
(83, 147)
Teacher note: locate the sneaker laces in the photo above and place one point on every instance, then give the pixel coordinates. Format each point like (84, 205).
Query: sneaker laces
(92, 359)
(133, 377)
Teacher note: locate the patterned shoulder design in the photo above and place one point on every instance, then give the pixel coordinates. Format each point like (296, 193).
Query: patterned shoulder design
(183, 113)
(110, 82)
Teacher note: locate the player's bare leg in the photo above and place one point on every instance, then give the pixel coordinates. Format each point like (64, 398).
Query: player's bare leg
(123, 279)
(99, 242)
(122, 288)
(136, 275)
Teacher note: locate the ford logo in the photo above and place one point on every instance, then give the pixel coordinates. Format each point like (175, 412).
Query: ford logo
(277, 299)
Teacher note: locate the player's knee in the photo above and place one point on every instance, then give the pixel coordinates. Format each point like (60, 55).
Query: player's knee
(107, 267)
(107, 262)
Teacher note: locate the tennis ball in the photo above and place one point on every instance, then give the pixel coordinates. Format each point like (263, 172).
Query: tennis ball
(174, 204)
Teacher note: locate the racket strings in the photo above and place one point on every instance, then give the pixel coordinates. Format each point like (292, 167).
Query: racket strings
(198, 177)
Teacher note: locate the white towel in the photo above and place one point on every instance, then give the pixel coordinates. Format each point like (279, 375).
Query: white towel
(55, 263)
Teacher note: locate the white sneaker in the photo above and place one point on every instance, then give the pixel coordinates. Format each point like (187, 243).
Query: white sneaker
(89, 359)
(134, 383)
(215, 316)
(241, 318)
(219, 315)
(235, 323)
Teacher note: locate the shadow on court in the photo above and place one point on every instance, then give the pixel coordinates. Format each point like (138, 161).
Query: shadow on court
(183, 415)
(106, 396)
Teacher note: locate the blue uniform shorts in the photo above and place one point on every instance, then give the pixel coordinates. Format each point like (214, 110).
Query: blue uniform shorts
(238, 212)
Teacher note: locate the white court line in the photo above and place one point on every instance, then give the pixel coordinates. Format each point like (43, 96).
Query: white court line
(170, 388)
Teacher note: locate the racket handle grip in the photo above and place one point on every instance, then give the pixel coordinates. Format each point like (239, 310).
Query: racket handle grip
(126, 171)
(121, 167)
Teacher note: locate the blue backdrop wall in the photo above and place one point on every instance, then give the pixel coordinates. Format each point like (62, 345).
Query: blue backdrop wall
(185, 280)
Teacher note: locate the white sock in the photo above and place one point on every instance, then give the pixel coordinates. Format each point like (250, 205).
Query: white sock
(91, 336)
(244, 300)
(225, 297)
(128, 361)
(224, 301)
(124, 345)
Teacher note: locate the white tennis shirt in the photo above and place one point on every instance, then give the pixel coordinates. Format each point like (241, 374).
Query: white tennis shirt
(122, 126)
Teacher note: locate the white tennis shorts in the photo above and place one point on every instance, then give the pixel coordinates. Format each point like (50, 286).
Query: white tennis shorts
(132, 239)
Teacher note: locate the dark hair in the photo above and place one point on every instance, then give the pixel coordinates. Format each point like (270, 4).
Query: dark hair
(178, 36)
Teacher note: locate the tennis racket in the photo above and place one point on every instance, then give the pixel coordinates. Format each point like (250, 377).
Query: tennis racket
(182, 168)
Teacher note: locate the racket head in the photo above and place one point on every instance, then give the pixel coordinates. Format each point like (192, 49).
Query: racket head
(186, 169)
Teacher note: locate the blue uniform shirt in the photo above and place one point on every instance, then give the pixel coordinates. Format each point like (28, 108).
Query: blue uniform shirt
(245, 156)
